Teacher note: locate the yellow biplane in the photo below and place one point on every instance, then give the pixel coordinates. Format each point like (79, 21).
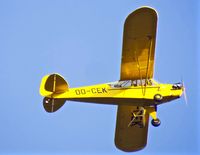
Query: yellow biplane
(136, 94)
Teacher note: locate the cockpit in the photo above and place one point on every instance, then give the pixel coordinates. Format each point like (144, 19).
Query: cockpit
(128, 83)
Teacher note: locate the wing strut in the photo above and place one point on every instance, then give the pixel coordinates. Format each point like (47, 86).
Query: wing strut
(138, 66)
(147, 69)
(148, 63)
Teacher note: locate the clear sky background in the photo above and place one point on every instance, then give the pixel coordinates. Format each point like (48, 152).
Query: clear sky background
(82, 40)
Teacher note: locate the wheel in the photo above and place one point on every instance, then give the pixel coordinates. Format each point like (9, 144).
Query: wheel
(155, 122)
(158, 98)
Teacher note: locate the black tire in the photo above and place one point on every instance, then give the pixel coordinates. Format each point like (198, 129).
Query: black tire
(155, 122)
(158, 98)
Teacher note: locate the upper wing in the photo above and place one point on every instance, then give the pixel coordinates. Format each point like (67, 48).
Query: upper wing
(130, 137)
(139, 45)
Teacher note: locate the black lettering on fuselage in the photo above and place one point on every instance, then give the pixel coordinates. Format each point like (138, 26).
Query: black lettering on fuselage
(99, 90)
(92, 90)
(80, 91)
(104, 90)
(83, 91)
(77, 91)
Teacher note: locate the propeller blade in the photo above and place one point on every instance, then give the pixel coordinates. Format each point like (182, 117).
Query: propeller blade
(184, 94)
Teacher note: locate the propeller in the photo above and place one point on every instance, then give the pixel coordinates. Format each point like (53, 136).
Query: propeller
(184, 93)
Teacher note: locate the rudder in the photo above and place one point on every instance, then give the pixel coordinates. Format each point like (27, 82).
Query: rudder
(53, 84)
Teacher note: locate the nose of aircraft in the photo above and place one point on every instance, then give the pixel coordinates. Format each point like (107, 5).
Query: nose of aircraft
(178, 86)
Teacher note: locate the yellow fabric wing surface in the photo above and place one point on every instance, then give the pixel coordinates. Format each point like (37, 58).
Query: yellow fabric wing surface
(130, 138)
(139, 45)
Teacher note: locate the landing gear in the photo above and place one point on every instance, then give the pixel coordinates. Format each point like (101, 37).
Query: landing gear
(155, 122)
(153, 113)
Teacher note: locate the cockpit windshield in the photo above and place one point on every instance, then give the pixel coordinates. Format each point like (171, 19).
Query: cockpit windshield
(128, 83)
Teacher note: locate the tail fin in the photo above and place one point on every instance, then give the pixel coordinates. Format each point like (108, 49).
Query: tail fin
(53, 84)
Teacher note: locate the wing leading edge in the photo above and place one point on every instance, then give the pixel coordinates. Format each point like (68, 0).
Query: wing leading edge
(139, 45)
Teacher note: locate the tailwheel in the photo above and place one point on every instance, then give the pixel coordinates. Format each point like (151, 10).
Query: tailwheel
(155, 122)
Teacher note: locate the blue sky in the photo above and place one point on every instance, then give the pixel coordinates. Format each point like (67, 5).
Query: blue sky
(82, 40)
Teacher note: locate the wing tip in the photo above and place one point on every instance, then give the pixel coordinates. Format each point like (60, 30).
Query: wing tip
(127, 148)
(147, 8)
(143, 9)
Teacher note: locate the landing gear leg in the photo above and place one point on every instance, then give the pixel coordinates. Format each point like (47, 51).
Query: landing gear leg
(153, 113)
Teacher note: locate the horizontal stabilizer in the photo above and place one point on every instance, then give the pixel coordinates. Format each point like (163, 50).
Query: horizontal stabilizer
(52, 105)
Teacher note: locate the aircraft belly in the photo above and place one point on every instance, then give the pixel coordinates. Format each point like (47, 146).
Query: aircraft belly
(115, 101)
